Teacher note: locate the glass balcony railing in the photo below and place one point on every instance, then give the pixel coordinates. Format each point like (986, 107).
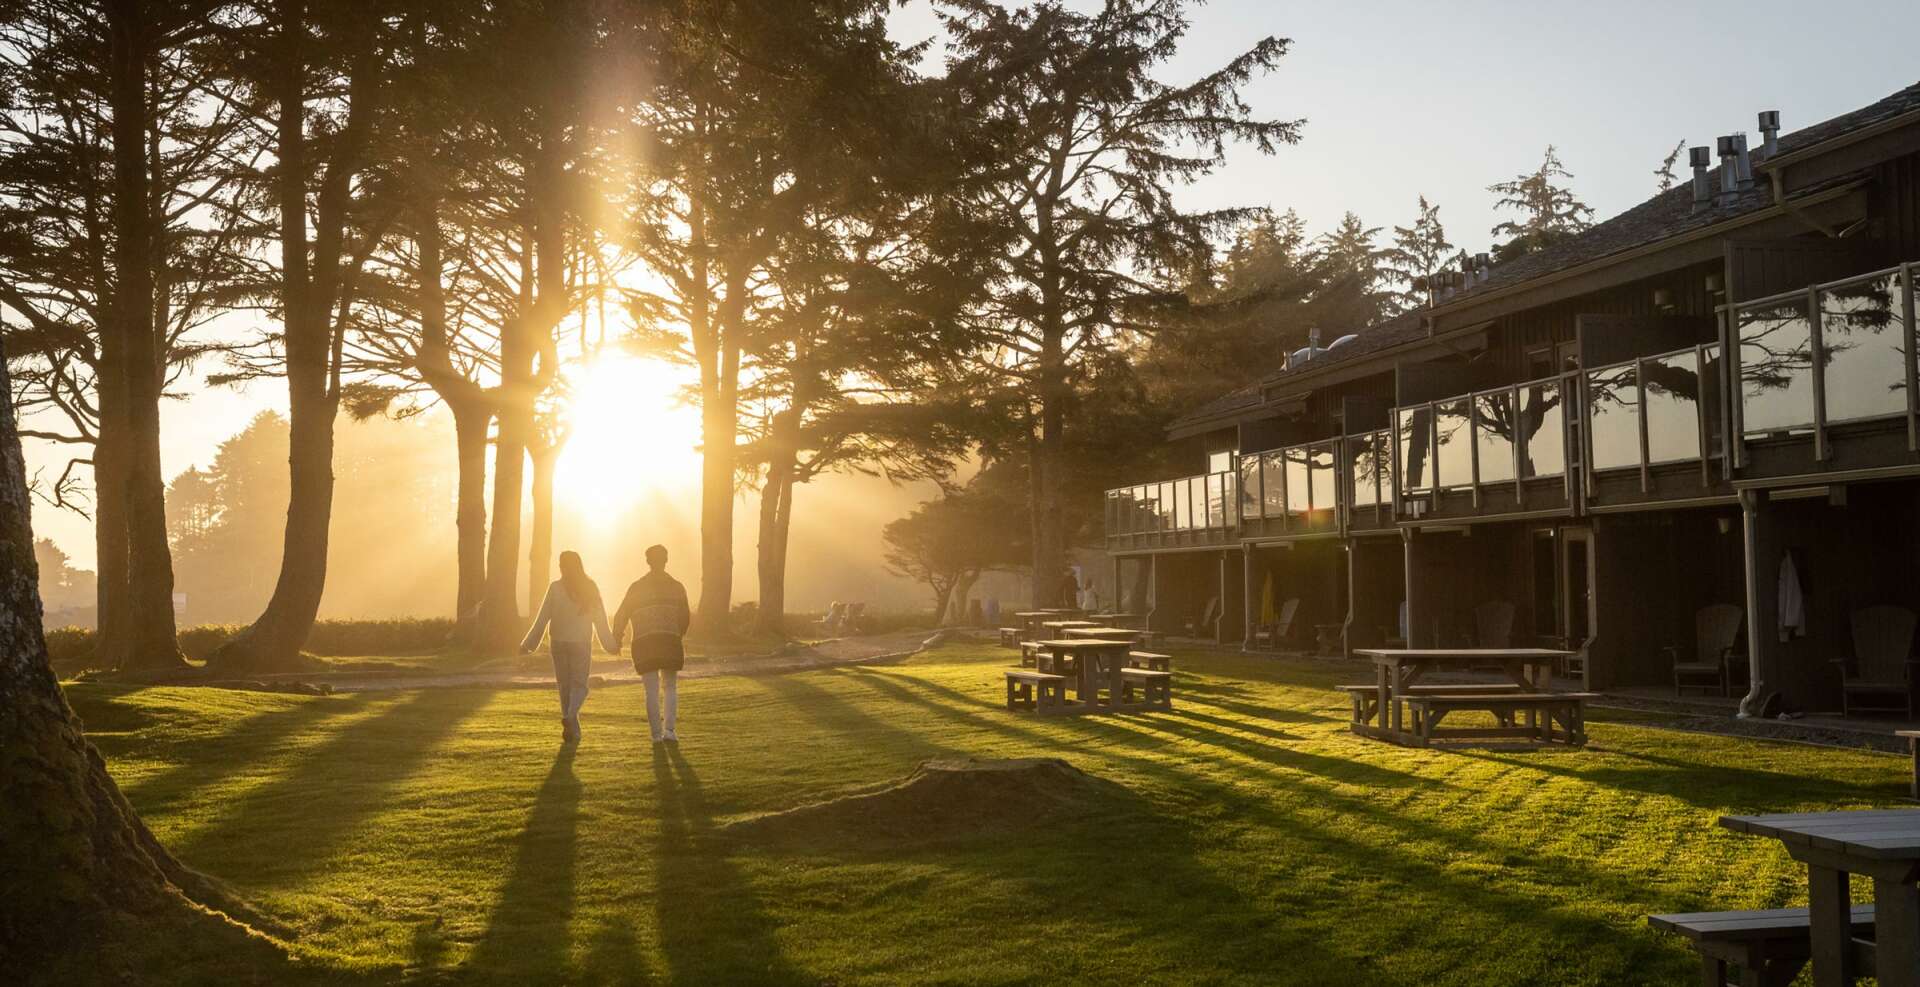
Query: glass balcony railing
(1498, 436)
(1298, 485)
(1653, 411)
(1193, 503)
(1828, 354)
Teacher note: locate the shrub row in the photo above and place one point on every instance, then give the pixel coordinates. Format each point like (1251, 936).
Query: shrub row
(403, 636)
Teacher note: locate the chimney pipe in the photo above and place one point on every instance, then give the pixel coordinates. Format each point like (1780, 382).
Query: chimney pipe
(1729, 171)
(1742, 160)
(1770, 132)
(1701, 158)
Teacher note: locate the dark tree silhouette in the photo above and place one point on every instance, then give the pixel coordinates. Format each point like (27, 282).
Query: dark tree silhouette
(1550, 212)
(1086, 148)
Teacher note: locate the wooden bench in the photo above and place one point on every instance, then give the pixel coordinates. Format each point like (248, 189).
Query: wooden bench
(1913, 745)
(1149, 659)
(1562, 715)
(1769, 946)
(1029, 654)
(1366, 697)
(1156, 687)
(1009, 637)
(1037, 691)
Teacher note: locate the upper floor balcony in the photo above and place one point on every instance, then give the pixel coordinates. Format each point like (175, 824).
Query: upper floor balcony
(1827, 378)
(1193, 511)
(1827, 387)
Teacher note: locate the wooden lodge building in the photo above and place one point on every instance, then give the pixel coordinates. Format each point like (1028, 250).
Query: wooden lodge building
(1708, 399)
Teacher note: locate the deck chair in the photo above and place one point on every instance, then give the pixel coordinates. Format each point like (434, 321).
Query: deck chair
(1880, 679)
(1272, 634)
(1209, 615)
(1493, 624)
(1715, 628)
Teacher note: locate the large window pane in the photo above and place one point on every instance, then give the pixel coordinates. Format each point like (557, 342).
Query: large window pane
(1166, 506)
(1249, 486)
(1454, 441)
(1614, 417)
(1299, 487)
(1383, 461)
(1672, 409)
(1272, 473)
(1415, 428)
(1493, 420)
(1861, 327)
(1543, 445)
(1324, 483)
(1229, 492)
(1776, 368)
(1363, 465)
(1713, 377)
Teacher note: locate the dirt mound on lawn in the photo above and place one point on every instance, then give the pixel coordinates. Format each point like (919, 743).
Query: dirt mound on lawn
(944, 799)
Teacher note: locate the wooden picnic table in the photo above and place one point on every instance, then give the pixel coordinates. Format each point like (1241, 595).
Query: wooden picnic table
(1116, 633)
(1395, 669)
(1883, 844)
(1114, 618)
(1058, 628)
(1094, 660)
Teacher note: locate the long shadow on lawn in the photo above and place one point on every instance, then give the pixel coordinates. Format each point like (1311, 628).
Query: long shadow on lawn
(202, 762)
(1707, 785)
(834, 713)
(712, 928)
(1406, 828)
(527, 931)
(953, 704)
(298, 817)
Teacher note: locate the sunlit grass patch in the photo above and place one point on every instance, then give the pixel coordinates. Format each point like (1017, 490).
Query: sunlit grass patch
(1251, 837)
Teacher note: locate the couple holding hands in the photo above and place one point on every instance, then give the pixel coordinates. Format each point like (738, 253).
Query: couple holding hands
(656, 608)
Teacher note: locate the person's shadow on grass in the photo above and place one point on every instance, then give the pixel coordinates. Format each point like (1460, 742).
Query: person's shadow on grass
(527, 931)
(712, 928)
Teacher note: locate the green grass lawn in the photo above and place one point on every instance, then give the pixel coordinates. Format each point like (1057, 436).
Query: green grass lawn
(441, 835)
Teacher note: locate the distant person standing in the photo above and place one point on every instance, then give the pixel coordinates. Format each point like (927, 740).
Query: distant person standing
(1069, 589)
(574, 611)
(656, 606)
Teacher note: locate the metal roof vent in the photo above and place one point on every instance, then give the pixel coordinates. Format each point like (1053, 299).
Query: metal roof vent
(1769, 132)
(1701, 158)
(1729, 170)
(1743, 161)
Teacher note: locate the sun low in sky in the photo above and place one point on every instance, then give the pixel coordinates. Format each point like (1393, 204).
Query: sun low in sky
(632, 437)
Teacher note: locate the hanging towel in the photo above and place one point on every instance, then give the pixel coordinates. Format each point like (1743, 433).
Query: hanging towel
(1793, 600)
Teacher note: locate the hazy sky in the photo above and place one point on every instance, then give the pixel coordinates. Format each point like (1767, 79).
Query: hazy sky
(1406, 98)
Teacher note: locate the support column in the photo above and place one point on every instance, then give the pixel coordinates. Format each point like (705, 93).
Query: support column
(1247, 593)
(1154, 621)
(1760, 538)
(1353, 598)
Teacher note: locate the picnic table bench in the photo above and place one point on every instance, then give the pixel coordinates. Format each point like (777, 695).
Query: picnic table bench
(1883, 844)
(1396, 692)
(1156, 686)
(1770, 946)
(1150, 659)
(1913, 746)
(1035, 690)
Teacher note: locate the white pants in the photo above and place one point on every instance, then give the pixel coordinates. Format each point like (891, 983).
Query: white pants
(662, 728)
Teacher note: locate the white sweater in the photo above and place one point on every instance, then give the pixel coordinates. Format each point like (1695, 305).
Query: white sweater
(569, 624)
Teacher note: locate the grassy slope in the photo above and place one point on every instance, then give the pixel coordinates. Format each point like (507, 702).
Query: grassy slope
(438, 833)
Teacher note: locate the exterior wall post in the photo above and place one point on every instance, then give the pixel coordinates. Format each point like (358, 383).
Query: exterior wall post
(1246, 596)
(1761, 605)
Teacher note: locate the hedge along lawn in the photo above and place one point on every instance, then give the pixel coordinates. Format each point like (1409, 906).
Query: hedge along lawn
(1251, 837)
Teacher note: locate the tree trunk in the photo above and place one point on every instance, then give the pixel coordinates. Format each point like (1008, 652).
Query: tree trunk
(776, 521)
(956, 615)
(307, 290)
(86, 893)
(470, 424)
(540, 547)
(466, 401)
(110, 511)
(500, 621)
(149, 642)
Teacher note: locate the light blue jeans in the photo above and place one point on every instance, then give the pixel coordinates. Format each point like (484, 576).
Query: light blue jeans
(661, 721)
(571, 660)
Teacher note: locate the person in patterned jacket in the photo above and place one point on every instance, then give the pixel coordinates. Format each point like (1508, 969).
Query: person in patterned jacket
(656, 606)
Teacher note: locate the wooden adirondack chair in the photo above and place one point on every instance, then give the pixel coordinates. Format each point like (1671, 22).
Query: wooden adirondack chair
(1209, 616)
(1881, 676)
(1272, 634)
(1715, 628)
(1493, 624)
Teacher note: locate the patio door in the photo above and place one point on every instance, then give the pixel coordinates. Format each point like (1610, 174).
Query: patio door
(1577, 602)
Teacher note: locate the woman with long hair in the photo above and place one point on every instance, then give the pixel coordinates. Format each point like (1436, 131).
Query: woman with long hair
(574, 613)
